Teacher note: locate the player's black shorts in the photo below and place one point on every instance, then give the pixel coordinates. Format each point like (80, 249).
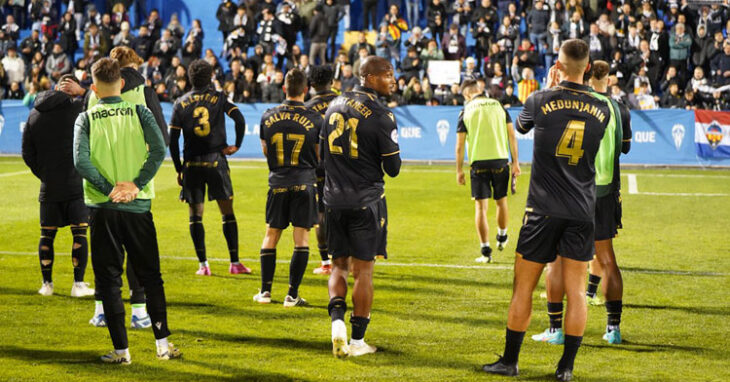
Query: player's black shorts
(61, 214)
(211, 170)
(488, 182)
(361, 233)
(320, 194)
(542, 238)
(296, 205)
(608, 216)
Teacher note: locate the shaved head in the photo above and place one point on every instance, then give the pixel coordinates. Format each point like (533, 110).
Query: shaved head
(374, 66)
(377, 73)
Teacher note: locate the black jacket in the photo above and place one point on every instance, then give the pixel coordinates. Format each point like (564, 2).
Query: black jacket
(48, 146)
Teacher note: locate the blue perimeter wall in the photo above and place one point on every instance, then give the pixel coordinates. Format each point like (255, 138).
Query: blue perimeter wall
(660, 137)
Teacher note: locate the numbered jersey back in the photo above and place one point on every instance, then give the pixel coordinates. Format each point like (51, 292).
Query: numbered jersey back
(291, 134)
(569, 124)
(201, 116)
(358, 133)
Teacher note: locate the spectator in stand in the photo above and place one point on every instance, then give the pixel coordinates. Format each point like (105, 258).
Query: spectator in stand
(176, 29)
(454, 44)
(369, 14)
(417, 93)
(362, 42)
(642, 100)
(332, 16)
(58, 63)
(690, 101)
(154, 24)
(274, 91)
(574, 28)
(416, 40)
(348, 79)
(251, 92)
(720, 66)
(15, 92)
(14, 66)
(525, 57)
(436, 16)
(537, 23)
(318, 33)
(553, 41)
(526, 84)
(165, 48)
(669, 78)
(471, 72)
(396, 25)
(29, 46)
(266, 30)
(672, 99)
(5, 43)
(362, 53)
(597, 43)
(411, 66)
(144, 43)
(432, 52)
(461, 14)
(383, 43)
(289, 24)
(124, 37)
(507, 35)
(482, 33)
(679, 44)
(95, 45)
(509, 99)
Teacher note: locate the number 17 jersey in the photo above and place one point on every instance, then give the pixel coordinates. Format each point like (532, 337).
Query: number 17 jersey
(569, 124)
(358, 132)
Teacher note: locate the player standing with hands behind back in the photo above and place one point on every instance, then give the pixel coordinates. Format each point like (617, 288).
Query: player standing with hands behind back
(118, 149)
(487, 126)
(290, 140)
(569, 124)
(200, 116)
(359, 140)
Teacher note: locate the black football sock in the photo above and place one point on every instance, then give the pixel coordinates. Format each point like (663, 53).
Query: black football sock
(593, 282)
(337, 308)
(359, 326)
(268, 267)
(555, 313)
(486, 251)
(323, 252)
(197, 232)
(512, 344)
(570, 349)
(230, 231)
(613, 309)
(297, 267)
(45, 253)
(79, 252)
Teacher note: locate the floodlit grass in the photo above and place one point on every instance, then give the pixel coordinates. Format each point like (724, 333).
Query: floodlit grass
(430, 323)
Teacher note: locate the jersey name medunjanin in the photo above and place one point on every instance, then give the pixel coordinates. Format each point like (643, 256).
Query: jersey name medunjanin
(296, 117)
(573, 104)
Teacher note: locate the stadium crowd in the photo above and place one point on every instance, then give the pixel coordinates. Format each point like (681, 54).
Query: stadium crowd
(664, 53)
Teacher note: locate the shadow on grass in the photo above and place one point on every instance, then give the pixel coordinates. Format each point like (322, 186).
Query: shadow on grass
(275, 342)
(244, 374)
(447, 318)
(17, 291)
(448, 281)
(639, 347)
(671, 272)
(48, 355)
(701, 310)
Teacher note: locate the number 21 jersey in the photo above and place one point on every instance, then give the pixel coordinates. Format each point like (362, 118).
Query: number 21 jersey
(358, 133)
(569, 124)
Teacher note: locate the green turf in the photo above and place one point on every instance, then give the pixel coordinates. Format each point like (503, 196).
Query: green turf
(430, 323)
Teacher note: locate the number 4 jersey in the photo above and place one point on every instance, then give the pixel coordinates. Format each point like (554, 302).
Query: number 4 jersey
(569, 124)
(290, 132)
(358, 133)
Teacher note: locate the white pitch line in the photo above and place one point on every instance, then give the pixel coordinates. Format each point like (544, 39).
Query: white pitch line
(14, 173)
(686, 176)
(414, 265)
(678, 194)
(633, 187)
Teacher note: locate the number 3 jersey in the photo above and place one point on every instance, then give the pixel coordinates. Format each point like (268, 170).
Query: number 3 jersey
(290, 132)
(569, 124)
(358, 133)
(201, 116)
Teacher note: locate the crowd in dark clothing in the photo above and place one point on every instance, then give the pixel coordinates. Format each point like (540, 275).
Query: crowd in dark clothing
(663, 53)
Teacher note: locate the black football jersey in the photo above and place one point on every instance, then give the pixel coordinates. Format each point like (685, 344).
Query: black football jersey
(569, 124)
(358, 132)
(319, 103)
(201, 116)
(290, 132)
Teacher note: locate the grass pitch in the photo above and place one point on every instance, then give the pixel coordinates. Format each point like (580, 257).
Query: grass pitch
(437, 316)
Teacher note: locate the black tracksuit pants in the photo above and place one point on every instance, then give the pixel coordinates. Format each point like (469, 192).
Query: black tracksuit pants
(112, 232)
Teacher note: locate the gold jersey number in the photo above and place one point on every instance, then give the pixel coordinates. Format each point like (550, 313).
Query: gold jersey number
(571, 143)
(340, 126)
(278, 140)
(203, 128)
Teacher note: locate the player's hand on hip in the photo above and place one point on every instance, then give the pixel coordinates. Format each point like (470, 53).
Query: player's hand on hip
(460, 178)
(516, 169)
(230, 150)
(180, 179)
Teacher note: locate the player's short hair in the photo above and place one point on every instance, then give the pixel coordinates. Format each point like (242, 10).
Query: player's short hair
(295, 82)
(599, 69)
(126, 56)
(320, 77)
(468, 87)
(200, 73)
(68, 77)
(576, 53)
(106, 70)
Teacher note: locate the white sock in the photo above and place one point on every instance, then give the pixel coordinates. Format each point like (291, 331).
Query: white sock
(122, 351)
(204, 263)
(485, 244)
(339, 329)
(357, 342)
(236, 263)
(139, 310)
(327, 262)
(162, 345)
(501, 232)
(98, 308)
